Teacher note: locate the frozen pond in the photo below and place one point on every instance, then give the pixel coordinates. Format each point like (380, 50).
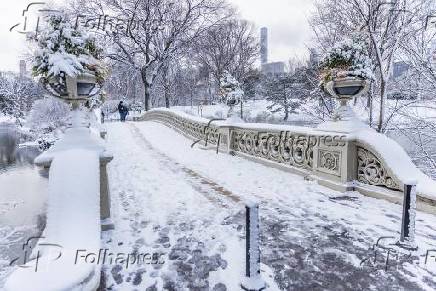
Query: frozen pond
(23, 191)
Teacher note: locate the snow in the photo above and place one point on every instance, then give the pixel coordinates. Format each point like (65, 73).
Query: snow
(6, 119)
(62, 48)
(190, 202)
(352, 51)
(74, 138)
(343, 126)
(73, 222)
(230, 89)
(397, 160)
(253, 111)
(64, 62)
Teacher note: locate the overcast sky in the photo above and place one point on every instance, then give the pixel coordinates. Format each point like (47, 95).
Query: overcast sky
(286, 20)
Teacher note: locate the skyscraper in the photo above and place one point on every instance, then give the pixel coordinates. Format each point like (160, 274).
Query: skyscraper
(23, 68)
(433, 53)
(263, 45)
(274, 68)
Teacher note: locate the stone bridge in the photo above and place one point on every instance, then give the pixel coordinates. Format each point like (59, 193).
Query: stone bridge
(175, 186)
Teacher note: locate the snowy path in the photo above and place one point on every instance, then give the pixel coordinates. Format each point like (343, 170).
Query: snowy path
(188, 204)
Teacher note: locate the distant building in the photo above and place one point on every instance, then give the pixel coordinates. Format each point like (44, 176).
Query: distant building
(23, 72)
(433, 53)
(314, 57)
(399, 68)
(8, 74)
(263, 45)
(274, 68)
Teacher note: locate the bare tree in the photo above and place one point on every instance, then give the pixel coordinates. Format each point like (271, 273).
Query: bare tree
(230, 46)
(387, 24)
(17, 96)
(155, 30)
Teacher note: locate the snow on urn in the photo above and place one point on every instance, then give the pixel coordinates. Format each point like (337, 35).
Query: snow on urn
(68, 61)
(346, 74)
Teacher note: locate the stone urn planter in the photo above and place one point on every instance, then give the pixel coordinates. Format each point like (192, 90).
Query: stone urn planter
(345, 73)
(345, 89)
(72, 89)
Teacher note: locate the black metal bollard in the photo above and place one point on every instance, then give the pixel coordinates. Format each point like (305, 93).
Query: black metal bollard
(409, 214)
(252, 280)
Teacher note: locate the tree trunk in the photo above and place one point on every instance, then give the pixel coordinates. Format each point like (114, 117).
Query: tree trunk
(242, 113)
(166, 85)
(147, 87)
(146, 96)
(369, 104)
(285, 103)
(382, 104)
(167, 99)
(286, 115)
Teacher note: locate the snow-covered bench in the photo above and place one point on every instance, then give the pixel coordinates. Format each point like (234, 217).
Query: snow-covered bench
(363, 160)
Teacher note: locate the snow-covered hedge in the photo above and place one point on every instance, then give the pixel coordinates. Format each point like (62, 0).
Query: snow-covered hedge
(347, 58)
(63, 49)
(230, 89)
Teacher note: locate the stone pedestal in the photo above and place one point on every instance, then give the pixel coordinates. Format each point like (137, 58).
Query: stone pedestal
(105, 201)
(79, 136)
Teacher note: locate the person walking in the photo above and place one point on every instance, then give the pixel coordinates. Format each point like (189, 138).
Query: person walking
(121, 110)
(125, 112)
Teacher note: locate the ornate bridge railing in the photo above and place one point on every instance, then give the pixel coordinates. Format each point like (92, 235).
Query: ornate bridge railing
(364, 161)
(196, 128)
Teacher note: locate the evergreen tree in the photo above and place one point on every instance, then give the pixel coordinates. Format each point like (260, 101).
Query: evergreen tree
(230, 89)
(282, 92)
(63, 49)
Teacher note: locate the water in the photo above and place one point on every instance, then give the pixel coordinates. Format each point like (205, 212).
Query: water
(23, 193)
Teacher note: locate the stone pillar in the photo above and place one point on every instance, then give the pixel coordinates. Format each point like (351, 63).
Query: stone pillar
(409, 214)
(253, 280)
(105, 201)
(335, 159)
(105, 204)
(225, 140)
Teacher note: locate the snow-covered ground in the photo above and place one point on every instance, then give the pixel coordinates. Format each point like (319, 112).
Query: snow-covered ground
(188, 205)
(6, 119)
(253, 111)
